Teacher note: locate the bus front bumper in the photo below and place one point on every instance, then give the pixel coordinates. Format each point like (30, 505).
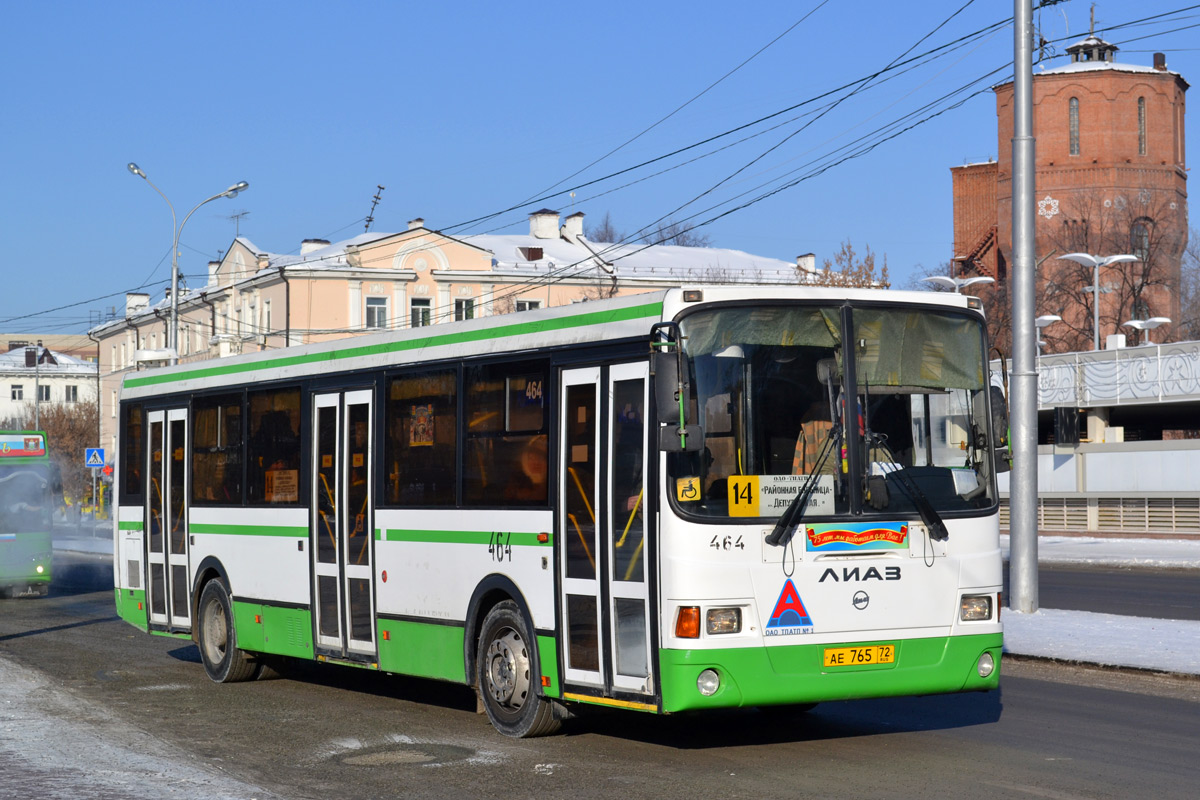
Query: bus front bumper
(795, 674)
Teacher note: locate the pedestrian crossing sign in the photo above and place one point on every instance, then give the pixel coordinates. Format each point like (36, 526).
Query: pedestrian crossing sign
(94, 456)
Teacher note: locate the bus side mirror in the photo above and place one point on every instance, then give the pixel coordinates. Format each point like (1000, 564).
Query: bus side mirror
(667, 385)
(1000, 443)
(670, 440)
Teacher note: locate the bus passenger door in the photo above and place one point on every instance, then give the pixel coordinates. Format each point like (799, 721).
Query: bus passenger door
(605, 605)
(166, 521)
(342, 523)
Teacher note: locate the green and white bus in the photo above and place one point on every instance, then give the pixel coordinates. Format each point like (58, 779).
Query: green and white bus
(659, 503)
(27, 493)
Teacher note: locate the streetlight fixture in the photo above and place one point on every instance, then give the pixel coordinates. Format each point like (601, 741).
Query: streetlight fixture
(176, 232)
(1041, 322)
(956, 284)
(1146, 325)
(1096, 262)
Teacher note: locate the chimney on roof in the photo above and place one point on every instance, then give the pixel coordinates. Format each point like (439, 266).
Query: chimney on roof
(309, 245)
(413, 224)
(543, 224)
(135, 302)
(806, 263)
(1160, 62)
(213, 266)
(263, 260)
(572, 228)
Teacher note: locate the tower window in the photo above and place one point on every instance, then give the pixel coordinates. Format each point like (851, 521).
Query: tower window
(1074, 126)
(1139, 240)
(1141, 126)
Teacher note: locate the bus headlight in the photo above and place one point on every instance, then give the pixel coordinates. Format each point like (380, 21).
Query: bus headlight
(986, 665)
(975, 607)
(40, 569)
(723, 620)
(708, 682)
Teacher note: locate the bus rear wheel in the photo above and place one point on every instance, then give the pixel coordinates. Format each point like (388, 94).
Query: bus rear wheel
(504, 670)
(217, 639)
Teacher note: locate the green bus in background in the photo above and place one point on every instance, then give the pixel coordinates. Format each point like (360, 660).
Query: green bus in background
(28, 482)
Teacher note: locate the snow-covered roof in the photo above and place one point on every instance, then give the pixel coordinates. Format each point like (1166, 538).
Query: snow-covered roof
(1101, 66)
(14, 361)
(513, 252)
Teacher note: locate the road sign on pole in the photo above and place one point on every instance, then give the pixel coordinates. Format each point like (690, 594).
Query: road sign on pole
(94, 457)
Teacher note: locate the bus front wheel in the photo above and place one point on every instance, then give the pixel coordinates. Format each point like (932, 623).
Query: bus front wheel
(217, 639)
(504, 670)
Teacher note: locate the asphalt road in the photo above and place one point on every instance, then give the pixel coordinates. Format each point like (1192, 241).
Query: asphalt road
(1132, 592)
(97, 709)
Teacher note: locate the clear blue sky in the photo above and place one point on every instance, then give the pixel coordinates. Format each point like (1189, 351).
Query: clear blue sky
(465, 109)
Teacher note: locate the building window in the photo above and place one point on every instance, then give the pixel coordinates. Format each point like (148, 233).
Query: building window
(377, 314)
(1141, 126)
(1139, 240)
(267, 316)
(420, 312)
(43, 393)
(464, 309)
(528, 305)
(1074, 126)
(18, 391)
(72, 394)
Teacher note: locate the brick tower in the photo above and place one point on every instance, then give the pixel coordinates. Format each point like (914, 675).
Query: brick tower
(1110, 179)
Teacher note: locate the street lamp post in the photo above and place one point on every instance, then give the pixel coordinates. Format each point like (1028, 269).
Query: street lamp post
(1146, 325)
(1096, 262)
(176, 232)
(956, 284)
(1044, 321)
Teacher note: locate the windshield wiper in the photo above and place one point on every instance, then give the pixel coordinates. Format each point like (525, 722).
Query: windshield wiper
(929, 515)
(785, 527)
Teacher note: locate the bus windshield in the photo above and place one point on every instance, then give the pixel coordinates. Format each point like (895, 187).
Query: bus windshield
(769, 389)
(24, 498)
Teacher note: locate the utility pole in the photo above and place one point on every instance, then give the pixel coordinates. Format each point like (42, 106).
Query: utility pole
(1023, 551)
(374, 202)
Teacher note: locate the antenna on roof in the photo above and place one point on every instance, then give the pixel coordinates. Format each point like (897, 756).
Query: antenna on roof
(236, 219)
(374, 202)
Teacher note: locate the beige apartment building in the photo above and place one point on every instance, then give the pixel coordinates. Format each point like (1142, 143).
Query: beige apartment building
(256, 300)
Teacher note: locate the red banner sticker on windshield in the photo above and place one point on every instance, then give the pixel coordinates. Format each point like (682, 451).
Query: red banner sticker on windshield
(857, 536)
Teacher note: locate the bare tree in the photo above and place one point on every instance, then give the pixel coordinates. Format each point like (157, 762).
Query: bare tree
(853, 270)
(70, 429)
(1187, 327)
(605, 231)
(677, 233)
(1139, 225)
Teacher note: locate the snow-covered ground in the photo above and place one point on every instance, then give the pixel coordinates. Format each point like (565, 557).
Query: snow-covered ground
(1083, 636)
(1108, 639)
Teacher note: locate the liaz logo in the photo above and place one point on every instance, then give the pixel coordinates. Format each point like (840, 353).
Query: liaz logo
(789, 616)
(853, 574)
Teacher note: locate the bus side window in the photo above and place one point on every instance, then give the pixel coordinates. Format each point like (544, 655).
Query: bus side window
(273, 450)
(217, 451)
(506, 450)
(133, 454)
(421, 434)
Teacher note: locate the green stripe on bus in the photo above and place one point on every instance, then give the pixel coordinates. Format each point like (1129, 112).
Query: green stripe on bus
(129, 526)
(249, 530)
(518, 538)
(440, 340)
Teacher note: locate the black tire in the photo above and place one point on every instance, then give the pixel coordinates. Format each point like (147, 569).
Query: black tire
(504, 671)
(217, 639)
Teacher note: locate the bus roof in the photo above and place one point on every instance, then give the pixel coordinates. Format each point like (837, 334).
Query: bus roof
(581, 323)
